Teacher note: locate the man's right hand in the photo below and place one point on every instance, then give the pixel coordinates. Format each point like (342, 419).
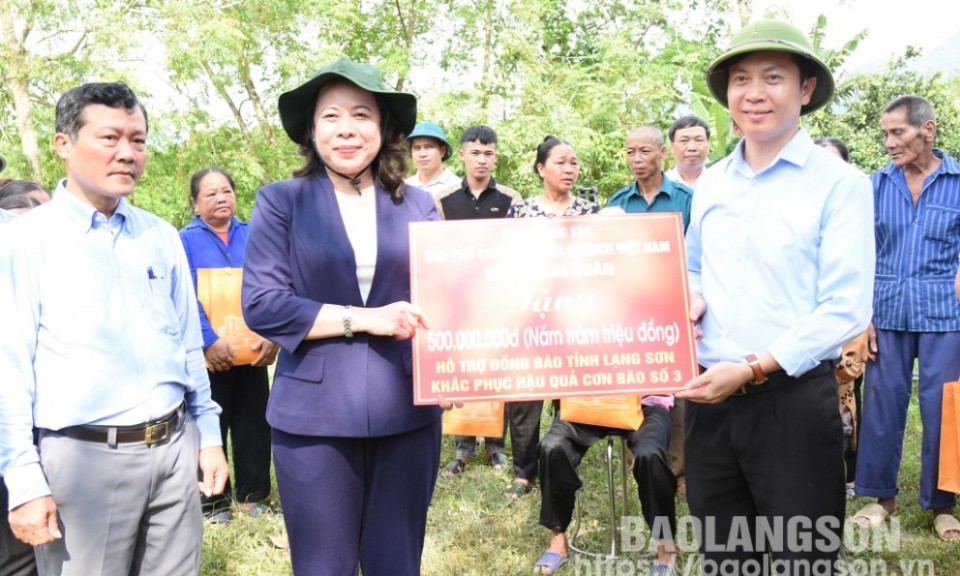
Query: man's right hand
(871, 342)
(35, 522)
(219, 356)
(697, 308)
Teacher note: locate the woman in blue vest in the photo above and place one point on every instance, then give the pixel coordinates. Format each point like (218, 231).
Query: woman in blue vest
(215, 238)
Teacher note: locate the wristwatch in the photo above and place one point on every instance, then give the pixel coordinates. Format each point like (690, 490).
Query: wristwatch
(754, 363)
(347, 321)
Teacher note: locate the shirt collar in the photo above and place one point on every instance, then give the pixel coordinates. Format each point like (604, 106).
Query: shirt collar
(85, 216)
(667, 186)
(796, 151)
(948, 164)
(199, 222)
(465, 185)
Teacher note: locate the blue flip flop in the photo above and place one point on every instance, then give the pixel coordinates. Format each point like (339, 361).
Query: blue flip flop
(551, 561)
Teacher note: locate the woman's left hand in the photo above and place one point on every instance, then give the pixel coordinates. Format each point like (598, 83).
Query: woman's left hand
(268, 353)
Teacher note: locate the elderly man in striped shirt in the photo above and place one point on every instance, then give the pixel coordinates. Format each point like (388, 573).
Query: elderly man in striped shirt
(916, 314)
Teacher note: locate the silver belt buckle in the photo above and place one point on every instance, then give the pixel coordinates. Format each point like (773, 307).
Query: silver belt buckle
(156, 433)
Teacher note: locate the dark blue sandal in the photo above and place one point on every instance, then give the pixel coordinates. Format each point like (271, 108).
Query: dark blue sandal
(550, 560)
(498, 460)
(455, 467)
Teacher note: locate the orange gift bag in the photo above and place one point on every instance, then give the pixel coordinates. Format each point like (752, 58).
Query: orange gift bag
(218, 289)
(949, 478)
(475, 419)
(623, 412)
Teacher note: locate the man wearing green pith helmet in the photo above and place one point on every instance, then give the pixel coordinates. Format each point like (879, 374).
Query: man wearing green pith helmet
(429, 149)
(780, 258)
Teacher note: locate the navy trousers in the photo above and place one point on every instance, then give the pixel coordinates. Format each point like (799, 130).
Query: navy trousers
(885, 400)
(352, 503)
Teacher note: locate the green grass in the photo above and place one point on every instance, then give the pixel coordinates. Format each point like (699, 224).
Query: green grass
(473, 531)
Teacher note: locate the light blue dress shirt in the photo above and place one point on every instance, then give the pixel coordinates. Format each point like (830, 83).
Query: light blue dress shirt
(5, 216)
(100, 326)
(917, 246)
(784, 258)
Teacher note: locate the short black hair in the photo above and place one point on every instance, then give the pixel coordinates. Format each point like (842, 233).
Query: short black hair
(19, 188)
(71, 105)
(836, 143)
(481, 134)
(18, 201)
(198, 176)
(688, 121)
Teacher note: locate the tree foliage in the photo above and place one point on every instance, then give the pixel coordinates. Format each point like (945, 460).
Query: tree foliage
(210, 72)
(855, 113)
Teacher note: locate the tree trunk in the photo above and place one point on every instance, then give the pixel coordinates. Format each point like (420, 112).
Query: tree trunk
(251, 90)
(745, 8)
(222, 91)
(408, 23)
(487, 72)
(17, 79)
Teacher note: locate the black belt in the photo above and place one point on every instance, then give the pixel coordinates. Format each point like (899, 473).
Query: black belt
(780, 379)
(152, 432)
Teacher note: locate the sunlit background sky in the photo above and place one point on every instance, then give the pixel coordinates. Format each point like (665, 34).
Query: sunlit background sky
(893, 25)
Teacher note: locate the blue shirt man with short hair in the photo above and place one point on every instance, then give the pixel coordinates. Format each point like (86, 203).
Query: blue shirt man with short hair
(101, 354)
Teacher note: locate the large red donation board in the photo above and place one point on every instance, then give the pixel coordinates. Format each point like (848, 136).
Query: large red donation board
(523, 309)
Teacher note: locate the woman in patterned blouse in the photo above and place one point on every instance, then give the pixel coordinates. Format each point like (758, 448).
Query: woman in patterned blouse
(557, 166)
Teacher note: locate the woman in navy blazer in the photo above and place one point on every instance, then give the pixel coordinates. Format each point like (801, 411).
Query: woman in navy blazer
(327, 277)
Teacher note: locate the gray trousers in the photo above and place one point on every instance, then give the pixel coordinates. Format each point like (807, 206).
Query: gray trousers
(128, 510)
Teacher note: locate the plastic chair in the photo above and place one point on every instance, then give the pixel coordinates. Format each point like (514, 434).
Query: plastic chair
(614, 519)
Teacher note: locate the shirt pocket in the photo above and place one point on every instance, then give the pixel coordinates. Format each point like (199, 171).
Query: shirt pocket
(939, 299)
(941, 224)
(305, 368)
(160, 301)
(887, 293)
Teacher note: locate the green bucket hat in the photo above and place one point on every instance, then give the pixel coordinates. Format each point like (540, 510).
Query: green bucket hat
(777, 36)
(431, 130)
(294, 106)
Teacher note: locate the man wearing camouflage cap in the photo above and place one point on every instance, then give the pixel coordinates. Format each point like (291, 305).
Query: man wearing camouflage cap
(781, 258)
